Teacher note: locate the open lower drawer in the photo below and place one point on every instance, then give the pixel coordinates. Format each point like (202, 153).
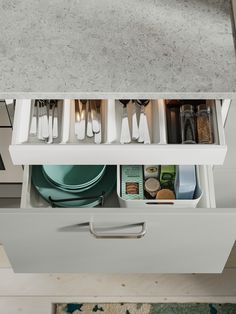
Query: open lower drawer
(156, 239)
(66, 149)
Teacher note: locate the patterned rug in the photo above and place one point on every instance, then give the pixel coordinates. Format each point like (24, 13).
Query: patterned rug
(136, 308)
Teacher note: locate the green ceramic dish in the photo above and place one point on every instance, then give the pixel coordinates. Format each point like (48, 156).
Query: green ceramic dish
(74, 189)
(91, 197)
(73, 176)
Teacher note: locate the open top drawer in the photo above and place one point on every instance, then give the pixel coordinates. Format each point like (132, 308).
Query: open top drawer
(66, 149)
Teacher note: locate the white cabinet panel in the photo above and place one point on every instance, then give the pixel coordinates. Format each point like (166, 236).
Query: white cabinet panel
(9, 172)
(67, 150)
(175, 241)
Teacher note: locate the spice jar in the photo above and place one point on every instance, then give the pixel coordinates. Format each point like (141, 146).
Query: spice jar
(152, 186)
(204, 124)
(188, 125)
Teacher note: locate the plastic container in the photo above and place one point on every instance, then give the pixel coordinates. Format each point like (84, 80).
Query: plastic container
(160, 203)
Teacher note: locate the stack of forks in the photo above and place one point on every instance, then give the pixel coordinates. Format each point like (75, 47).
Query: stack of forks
(44, 121)
(88, 120)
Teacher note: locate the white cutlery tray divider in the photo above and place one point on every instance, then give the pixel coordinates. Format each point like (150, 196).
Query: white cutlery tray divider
(24, 112)
(146, 203)
(72, 137)
(114, 120)
(217, 125)
(27, 150)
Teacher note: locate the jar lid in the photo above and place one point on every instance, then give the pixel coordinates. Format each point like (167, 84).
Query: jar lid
(152, 185)
(204, 107)
(187, 108)
(165, 194)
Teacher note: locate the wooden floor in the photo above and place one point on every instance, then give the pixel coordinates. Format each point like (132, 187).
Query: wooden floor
(36, 293)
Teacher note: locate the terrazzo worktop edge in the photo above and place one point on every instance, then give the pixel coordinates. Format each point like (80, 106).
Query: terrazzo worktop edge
(117, 49)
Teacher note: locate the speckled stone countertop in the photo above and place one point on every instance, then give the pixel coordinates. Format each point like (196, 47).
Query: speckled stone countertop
(116, 48)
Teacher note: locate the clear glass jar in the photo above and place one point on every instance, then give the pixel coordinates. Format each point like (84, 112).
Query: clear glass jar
(188, 124)
(204, 124)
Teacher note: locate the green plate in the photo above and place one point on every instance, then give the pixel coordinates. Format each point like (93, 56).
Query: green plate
(92, 197)
(74, 189)
(73, 176)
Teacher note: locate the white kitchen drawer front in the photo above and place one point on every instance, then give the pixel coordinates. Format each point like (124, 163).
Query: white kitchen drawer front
(118, 240)
(68, 150)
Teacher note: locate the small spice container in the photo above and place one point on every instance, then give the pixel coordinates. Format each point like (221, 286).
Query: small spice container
(132, 182)
(165, 194)
(188, 124)
(152, 186)
(204, 124)
(167, 176)
(151, 171)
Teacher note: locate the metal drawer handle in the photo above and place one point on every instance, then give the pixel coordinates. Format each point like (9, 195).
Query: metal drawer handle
(101, 235)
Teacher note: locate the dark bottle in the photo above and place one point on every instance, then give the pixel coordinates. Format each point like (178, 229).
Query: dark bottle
(188, 125)
(173, 123)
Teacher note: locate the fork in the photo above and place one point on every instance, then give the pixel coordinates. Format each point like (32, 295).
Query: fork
(34, 119)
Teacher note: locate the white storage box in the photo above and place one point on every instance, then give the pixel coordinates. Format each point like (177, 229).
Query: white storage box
(160, 203)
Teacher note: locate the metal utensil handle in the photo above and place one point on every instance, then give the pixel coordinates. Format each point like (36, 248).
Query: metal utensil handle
(100, 197)
(129, 235)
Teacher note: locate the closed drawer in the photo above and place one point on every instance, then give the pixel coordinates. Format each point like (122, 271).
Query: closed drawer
(67, 150)
(156, 239)
(118, 240)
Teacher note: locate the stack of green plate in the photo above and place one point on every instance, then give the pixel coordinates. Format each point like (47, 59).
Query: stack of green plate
(74, 185)
(73, 178)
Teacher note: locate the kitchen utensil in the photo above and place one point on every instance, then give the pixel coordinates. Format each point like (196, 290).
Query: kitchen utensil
(144, 134)
(98, 135)
(39, 109)
(125, 136)
(34, 119)
(55, 117)
(89, 198)
(50, 122)
(94, 115)
(82, 125)
(89, 121)
(77, 117)
(44, 112)
(135, 130)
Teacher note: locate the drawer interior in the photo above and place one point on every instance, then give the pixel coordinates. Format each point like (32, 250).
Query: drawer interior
(111, 120)
(32, 199)
(27, 149)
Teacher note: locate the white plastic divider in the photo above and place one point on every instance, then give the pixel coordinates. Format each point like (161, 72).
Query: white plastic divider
(176, 203)
(21, 121)
(23, 117)
(216, 121)
(114, 120)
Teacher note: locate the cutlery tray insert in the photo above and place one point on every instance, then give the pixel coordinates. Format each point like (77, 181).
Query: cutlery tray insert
(22, 131)
(111, 114)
